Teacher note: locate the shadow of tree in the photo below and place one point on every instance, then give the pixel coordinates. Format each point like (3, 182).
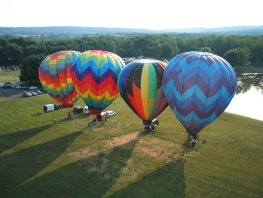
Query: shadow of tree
(38, 114)
(17, 167)
(9, 140)
(88, 177)
(167, 181)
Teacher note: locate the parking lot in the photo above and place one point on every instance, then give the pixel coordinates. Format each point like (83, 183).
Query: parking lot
(11, 93)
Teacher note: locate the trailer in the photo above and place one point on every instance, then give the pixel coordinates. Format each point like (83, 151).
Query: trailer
(48, 108)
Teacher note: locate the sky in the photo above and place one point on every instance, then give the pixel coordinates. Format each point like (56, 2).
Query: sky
(146, 14)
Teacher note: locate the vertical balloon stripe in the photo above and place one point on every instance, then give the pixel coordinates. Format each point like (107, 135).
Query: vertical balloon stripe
(152, 82)
(140, 87)
(152, 89)
(145, 89)
(136, 101)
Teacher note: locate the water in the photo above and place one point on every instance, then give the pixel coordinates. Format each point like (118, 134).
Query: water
(249, 98)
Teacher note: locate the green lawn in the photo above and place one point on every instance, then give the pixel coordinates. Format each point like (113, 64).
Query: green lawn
(8, 75)
(117, 160)
(249, 70)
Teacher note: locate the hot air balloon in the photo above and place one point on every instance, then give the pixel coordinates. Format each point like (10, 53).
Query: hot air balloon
(198, 87)
(95, 74)
(55, 77)
(140, 85)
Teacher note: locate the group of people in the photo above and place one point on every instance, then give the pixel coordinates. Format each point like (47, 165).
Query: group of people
(97, 119)
(193, 139)
(70, 115)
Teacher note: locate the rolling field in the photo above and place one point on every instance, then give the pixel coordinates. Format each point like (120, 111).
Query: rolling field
(116, 159)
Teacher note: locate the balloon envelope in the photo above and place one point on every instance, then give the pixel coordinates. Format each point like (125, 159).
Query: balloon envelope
(55, 77)
(95, 74)
(198, 87)
(140, 85)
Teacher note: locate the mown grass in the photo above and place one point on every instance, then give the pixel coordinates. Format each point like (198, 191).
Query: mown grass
(9, 75)
(243, 70)
(116, 159)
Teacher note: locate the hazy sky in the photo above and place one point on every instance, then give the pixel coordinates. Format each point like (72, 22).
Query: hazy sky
(149, 14)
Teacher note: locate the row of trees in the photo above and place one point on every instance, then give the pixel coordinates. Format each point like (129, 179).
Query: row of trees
(28, 52)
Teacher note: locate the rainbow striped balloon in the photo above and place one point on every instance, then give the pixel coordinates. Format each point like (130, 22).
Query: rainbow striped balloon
(95, 75)
(140, 85)
(198, 87)
(55, 77)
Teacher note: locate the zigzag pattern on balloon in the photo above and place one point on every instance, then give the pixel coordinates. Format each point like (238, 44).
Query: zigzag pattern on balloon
(95, 75)
(198, 89)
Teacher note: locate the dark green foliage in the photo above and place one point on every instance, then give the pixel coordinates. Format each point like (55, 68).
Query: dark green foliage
(27, 52)
(29, 69)
(237, 57)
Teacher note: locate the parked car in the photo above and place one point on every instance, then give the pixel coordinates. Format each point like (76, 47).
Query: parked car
(27, 94)
(18, 87)
(109, 114)
(8, 84)
(32, 88)
(78, 109)
(39, 92)
(33, 93)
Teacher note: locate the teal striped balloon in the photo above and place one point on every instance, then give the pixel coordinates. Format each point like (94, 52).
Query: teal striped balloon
(198, 87)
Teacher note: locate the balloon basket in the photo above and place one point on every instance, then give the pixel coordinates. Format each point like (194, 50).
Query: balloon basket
(148, 128)
(193, 139)
(97, 120)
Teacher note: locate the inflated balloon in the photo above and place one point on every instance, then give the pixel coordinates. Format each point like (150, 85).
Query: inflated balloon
(140, 85)
(198, 87)
(95, 75)
(55, 77)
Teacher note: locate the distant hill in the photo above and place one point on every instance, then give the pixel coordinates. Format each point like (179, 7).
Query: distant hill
(235, 30)
(76, 30)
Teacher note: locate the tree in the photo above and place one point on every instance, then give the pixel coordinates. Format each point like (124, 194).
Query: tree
(206, 49)
(167, 51)
(29, 69)
(13, 53)
(237, 57)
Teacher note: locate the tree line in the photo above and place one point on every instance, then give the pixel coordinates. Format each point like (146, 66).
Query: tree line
(239, 51)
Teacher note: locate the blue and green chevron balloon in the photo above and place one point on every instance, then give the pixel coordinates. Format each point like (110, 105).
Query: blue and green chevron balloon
(95, 74)
(198, 87)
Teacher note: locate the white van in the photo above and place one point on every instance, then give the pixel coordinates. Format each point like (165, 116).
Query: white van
(48, 108)
(86, 110)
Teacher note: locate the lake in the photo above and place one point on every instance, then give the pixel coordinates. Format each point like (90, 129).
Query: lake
(248, 100)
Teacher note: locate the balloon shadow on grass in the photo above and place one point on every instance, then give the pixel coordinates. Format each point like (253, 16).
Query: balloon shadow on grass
(90, 176)
(168, 181)
(18, 167)
(9, 140)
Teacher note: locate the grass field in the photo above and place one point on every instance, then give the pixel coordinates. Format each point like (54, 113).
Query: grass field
(8, 75)
(116, 159)
(248, 70)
